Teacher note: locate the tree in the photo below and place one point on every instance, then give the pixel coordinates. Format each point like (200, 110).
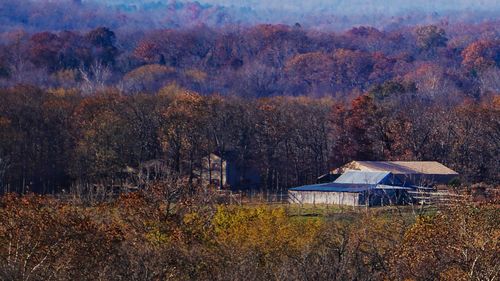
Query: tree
(182, 129)
(35, 138)
(75, 51)
(149, 52)
(351, 69)
(41, 238)
(4, 68)
(481, 55)
(105, 141)
(44, 50)
(461, 243)
(353, 130)
(433, 83)
(149, 78)
(102, 41)
(472, 154)
(367, 38)
(309, 73)
(390, 89)
(430, 37)
(94, 78)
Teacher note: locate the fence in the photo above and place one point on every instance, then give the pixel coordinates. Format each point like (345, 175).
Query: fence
(440, 197)
(249, 197)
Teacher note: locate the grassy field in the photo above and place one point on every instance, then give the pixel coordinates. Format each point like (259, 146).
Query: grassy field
(338, 212)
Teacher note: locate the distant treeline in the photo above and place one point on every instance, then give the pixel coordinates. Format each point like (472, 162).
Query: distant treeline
(440, 62)
(52, 139)
(59, 15)
(80, 106)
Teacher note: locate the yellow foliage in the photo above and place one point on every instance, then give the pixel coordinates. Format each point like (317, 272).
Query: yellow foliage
(265, 229)
(172, 90)
(63, 92)
(148, 72)
(66, 76)
(195, 226)
(197, 75)
(156, 236)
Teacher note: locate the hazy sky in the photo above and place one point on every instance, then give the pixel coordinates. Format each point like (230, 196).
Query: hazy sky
(345, 6)
(351, 6)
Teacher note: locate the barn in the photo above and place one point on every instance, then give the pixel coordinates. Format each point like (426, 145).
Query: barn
(353, 188)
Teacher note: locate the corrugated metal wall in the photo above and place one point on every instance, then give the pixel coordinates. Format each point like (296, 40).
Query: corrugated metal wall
(316, 197)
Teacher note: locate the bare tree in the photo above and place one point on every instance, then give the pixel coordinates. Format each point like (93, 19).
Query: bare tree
(95, 77)
(489, 80)
(4, 165)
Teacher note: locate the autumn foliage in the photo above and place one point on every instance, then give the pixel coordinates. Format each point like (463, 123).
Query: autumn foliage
(135, 238)
(104, 129)
(55, 140)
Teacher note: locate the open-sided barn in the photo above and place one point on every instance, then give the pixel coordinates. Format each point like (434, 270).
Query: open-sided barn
(353, 188)
(371, 183)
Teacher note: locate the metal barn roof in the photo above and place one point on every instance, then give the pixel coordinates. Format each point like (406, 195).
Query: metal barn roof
(346, 187)
(398, 167)
(360, 177)
(335, 187)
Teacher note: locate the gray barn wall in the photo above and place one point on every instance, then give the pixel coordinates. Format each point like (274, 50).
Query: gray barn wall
(315, 197)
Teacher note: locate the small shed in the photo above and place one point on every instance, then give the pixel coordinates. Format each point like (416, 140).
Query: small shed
(228, 172)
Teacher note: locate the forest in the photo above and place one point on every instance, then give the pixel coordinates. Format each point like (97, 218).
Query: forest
(52, 140)
(82, 107)
(91, 94)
